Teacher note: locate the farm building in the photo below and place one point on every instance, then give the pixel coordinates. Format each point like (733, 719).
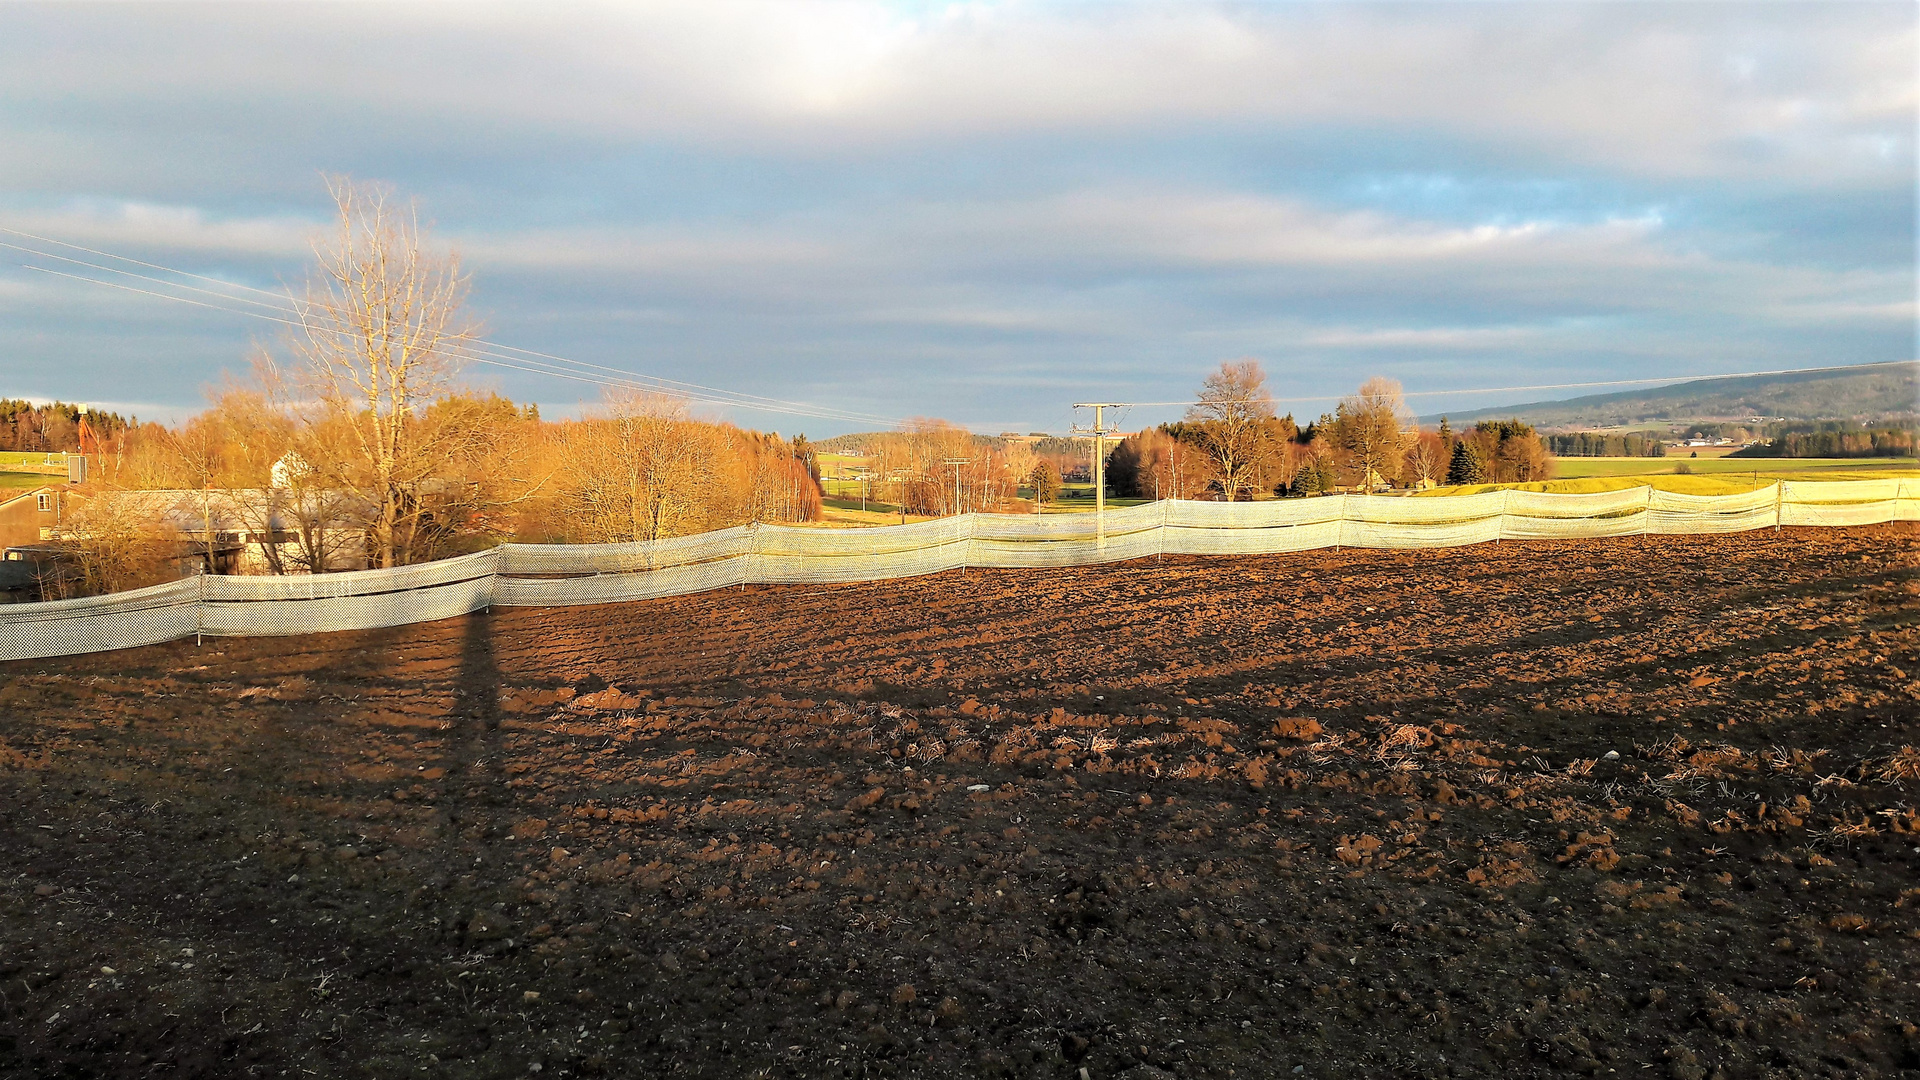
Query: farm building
(265, 530)
(33, 515)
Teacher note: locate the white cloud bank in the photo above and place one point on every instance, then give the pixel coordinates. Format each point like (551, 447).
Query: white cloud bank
(1813, 92)
(928, 212)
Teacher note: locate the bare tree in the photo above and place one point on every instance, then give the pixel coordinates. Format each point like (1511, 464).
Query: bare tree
(382, 334)
(1367, 431)
(1017, 463)
(326, 523)
(197, 451)
(1151, 464)
(1524, 460)
(228, 453)
(642, 471)
(917, 462)
(1287, 462)
(110, 548)
(1235, 417)
(764, 478)
(1426, 457)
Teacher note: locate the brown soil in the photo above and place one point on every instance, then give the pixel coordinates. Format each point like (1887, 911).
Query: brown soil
(1335, 814)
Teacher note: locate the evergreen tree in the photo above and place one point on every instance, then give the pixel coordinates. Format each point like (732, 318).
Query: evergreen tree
(1465, 468)
(1317, 477)
(1045, 481)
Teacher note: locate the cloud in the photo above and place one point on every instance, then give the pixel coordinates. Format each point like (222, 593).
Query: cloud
(1021, 262)
(1899, 312)
(1819, 93)
(971, 209)
(1236, 229)
(146, 225)
(681, 250)
(1432, 337)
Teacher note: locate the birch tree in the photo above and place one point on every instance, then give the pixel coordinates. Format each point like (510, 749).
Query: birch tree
(382, 333)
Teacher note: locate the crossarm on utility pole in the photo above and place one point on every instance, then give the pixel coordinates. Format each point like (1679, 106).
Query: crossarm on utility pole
(1099, 431)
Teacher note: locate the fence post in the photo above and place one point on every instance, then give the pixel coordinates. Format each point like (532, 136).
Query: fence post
(1160, 533)
(1646, 516)
(753, 554)
(199, 609)
(493, 578)
(1780, 503)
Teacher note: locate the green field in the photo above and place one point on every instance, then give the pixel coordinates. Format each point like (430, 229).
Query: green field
(32, 461)
(29, 469)
(1716, 463)
(842, 502)
(1720, 482)
(1078, 498)
(13, 480)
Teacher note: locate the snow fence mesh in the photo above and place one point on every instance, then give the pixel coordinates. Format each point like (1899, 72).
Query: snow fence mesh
(541, 575)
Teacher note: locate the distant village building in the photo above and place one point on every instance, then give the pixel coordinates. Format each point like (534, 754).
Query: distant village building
(27, 519)
(33, 515)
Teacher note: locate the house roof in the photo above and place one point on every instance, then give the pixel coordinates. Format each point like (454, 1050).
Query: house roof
(189, 510)
(22, 493)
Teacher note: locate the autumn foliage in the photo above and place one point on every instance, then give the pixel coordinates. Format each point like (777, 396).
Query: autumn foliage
(1232, 446)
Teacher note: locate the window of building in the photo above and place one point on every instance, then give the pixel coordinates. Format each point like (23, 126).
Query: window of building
(46, 504)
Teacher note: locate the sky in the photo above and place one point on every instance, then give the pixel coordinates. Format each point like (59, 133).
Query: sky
(986, 212)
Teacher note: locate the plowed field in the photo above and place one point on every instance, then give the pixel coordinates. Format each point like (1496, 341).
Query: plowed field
(1641, 807)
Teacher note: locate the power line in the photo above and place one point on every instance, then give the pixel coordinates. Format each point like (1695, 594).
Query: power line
(473, 356)
(494, 357)
(282, 300)
(480, 350)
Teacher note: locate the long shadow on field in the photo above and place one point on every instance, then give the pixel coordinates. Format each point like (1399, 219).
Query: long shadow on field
(476, 720)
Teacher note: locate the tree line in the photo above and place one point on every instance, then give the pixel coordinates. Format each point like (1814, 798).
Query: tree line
(932, 467)
(51, 428)
(1832, 439)
(1232, 445)
(1638, 444)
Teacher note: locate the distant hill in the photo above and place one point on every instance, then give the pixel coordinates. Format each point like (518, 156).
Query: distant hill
(862, 442)
(1862, 392)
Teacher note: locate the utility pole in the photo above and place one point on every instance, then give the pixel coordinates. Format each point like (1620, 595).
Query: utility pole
(956, 462)
(1099, 431)
(860, 476)
(899, 476)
